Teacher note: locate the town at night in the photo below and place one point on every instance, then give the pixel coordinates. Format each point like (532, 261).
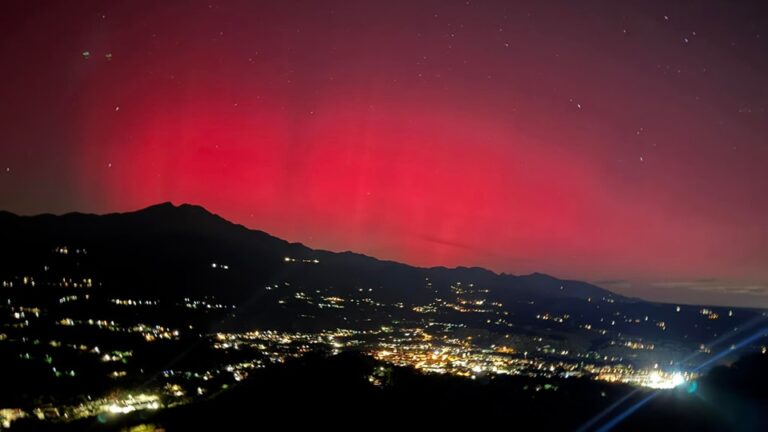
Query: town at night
(244, 214)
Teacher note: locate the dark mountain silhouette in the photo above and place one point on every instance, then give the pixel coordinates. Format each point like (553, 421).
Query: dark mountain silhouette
(170, 250)
(174, 252)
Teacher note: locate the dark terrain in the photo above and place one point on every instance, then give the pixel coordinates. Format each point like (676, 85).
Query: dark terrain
(142, 298)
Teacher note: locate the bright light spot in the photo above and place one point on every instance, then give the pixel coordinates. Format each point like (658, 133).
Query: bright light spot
(657, 380)
(117, 409)
(677, 379)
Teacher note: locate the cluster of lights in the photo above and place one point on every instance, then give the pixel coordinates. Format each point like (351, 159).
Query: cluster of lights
(71, 298)
(150, 333)
(131, 403)
(74, 283)
(65, 250)
(710, 314)
(556, 318)
(205, 304)
(425, 344)
(302, 260)
(653, 378)
(131, 302)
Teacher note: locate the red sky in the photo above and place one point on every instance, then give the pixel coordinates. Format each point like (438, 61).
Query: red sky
(621, 144)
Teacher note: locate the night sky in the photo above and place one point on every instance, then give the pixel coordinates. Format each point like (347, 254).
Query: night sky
(624, 143)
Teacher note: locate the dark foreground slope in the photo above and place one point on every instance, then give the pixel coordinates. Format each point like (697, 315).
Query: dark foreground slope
(352, 391)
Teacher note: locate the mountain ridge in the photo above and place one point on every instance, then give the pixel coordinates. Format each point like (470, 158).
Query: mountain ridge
(177, 254)
(170, 206)
(195, 227)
